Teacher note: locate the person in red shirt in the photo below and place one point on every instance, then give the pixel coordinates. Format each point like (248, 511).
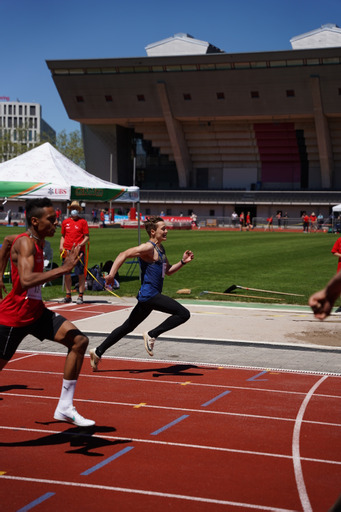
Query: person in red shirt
(313, 222)
(75, 231)
(305, 219)
(22, 311)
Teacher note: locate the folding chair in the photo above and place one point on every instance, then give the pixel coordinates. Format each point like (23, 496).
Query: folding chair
(132, 265)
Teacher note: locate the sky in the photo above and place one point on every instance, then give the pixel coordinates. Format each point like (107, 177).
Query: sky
(33, 31)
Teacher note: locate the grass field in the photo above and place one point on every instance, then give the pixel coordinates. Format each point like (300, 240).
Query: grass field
(287, 262)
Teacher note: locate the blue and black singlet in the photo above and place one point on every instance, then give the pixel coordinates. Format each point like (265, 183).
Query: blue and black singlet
(152, 275)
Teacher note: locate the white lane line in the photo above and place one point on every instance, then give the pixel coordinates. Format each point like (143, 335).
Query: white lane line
(146, 493)
(21, 358)
(176, 383)
(302, 491)
(168, 408)
(169, 443)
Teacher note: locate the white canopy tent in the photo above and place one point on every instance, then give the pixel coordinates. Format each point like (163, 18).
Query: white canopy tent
(337, 208)
(44, 172)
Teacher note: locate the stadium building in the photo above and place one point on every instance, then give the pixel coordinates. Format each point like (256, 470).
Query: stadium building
(200, 129)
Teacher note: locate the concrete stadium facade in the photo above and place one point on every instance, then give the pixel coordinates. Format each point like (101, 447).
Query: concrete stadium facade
(235, 124)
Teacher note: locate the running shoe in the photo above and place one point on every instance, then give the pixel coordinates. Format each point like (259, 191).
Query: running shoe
(66, 300)
(149, 343)
(94, 359)
(79, 300)
(72, 416)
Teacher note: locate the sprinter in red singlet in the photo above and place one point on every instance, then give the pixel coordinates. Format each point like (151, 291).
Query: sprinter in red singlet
(22, 311)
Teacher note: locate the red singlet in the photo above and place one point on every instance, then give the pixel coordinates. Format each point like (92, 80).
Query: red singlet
(23, 307)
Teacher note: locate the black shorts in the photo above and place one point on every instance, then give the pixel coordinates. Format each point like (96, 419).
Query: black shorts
(45, 328)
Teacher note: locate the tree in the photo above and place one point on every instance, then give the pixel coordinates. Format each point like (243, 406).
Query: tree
(71, 146)
(15, 142)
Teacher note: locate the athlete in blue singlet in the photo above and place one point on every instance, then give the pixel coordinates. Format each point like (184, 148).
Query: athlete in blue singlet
(154, 266)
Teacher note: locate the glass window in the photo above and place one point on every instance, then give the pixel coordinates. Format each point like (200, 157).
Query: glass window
(278, 64)
(258, 65)
(191, 67)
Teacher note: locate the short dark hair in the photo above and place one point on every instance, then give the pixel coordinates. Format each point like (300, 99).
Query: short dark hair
(34, 208)
(151, 223)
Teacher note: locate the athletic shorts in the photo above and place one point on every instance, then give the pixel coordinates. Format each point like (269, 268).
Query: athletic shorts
(45, 328)
(79, 268)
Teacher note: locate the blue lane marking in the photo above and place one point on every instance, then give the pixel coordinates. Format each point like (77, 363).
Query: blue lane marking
(169, 425)
(36, 502)
(256, 377)
(215, 398)
(107, 461)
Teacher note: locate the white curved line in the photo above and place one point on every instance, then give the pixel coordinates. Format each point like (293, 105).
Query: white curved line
(302, 491)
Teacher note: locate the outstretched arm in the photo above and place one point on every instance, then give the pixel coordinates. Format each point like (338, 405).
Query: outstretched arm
(186, 258)
(144, 251)
(23, 251)
(323, 301)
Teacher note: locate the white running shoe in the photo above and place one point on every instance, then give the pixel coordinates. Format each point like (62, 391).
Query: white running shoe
(149, 343)
(72, 416)
(94, 359)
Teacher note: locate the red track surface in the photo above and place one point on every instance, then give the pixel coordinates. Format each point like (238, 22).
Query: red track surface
(74, 312)
(185, 437)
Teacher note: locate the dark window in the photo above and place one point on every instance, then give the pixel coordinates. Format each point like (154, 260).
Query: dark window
(32, 110)
(187, 97)
(290, 93)
(220, 96)
(339, 91)
(140, 97)
(108, 98)
(254, 94)
(212, 213)
(79, 99)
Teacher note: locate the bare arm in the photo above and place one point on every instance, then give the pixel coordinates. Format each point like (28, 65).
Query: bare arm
(144, 251)
(186, 258)
(23, 252)
(323, 301)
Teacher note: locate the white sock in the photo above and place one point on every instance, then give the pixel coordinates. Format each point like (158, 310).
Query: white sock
(66, 396)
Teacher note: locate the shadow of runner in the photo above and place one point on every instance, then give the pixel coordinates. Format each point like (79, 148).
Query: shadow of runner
(83, 439)
(173, 370)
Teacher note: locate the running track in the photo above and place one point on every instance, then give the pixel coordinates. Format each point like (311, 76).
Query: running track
(184, 437)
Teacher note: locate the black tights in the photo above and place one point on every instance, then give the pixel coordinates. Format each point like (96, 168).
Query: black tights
(159, 302)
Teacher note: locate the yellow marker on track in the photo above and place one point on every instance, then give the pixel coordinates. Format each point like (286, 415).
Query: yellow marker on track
(140, 405)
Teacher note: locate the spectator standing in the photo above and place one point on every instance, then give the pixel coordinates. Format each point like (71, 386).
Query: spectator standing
(234, 218)
(248, 222)
(313, 222)
(305, 219)
(75, 232)
(279, 219)
(285, 220)
(241, 221)
(320, 221)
